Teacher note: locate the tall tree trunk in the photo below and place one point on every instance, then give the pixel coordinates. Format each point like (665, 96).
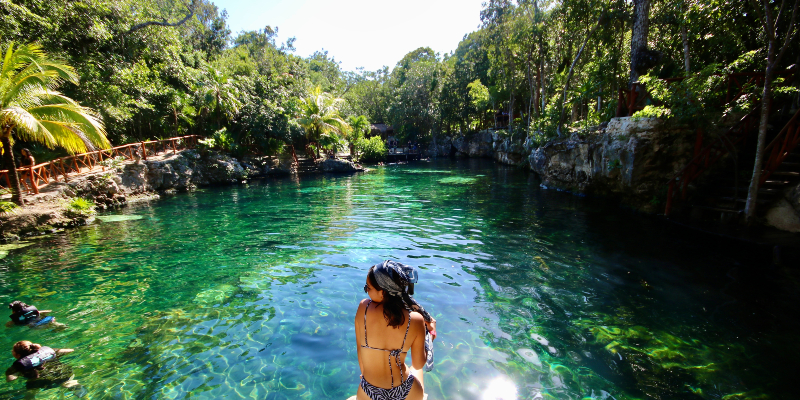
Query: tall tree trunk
(571, 70)
(685, 38)
(531, 84)
(766, 95)
(11, 166)
(641, 28)
(686, 64)
(511, 113)
(774, 56)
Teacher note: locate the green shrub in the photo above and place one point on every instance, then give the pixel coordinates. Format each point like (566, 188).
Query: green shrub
(115, 162)
(79, 207)
(223, 139)
(7, 207)
(206, 144)
(372, 149)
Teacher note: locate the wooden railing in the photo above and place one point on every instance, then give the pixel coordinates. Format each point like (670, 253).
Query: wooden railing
(784, 143)
(710, 154)
(780, 147)
(32, 178)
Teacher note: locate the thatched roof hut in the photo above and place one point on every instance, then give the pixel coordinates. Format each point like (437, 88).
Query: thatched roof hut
(381, 129)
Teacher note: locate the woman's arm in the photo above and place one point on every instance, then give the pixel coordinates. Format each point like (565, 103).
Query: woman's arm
(418, 357)
(61, 352)
(359, 321)
(10, 374)
(45, 312)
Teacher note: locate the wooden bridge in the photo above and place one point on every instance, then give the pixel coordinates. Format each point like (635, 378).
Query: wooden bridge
(32, 178)
(399, 154)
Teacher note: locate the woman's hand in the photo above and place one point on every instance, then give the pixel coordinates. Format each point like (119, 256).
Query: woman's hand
(431, 327)
(61, 352)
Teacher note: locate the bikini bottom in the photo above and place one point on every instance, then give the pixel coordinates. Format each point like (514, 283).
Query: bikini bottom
(395, 393)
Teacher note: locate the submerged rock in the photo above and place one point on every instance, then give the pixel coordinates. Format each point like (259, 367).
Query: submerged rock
(339, 165)
(530, 356)
(783, 216)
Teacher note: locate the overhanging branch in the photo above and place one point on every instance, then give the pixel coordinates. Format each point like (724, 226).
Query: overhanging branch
(164, 22)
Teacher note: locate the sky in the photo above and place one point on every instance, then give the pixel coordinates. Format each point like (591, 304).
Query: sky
(359, 33)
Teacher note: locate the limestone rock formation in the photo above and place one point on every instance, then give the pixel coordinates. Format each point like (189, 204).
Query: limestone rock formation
(339, 165)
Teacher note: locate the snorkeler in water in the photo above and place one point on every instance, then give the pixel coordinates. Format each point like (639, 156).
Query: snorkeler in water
(24, 314)
(41, 366)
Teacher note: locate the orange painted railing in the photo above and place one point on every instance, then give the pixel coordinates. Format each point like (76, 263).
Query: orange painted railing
(708, 155)
(42, 174)
(781, 147)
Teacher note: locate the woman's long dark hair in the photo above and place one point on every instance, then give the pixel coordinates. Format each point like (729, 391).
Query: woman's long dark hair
(393, 306)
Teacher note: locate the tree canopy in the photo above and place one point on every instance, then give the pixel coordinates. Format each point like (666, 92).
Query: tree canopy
(536, 68)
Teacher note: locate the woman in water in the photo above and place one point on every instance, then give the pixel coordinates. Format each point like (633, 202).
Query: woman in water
(40, 365)
(24, 314)
(389, 325)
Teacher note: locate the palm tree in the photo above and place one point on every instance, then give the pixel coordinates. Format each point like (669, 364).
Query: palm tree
(31, 109)
(220, 95)
(319, 116)
(179, 109)
(359, 127)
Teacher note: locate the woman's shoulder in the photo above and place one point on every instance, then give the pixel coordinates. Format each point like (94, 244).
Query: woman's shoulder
(363, 304)
(416, 318)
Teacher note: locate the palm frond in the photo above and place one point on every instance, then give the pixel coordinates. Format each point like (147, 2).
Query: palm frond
(65, 135)
(79, 118)
(25, 123)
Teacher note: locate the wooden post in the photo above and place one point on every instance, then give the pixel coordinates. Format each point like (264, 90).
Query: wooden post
(698, 142)
(174, 150)
(63, 170)
(101, 160)
(33, 181)
(8, 181)
(669, 198)
(144, 151)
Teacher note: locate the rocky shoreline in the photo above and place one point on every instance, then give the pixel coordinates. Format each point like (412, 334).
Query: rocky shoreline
(625, 159)
(142, 181)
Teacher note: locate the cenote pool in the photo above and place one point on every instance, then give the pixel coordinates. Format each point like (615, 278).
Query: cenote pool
(250, 292)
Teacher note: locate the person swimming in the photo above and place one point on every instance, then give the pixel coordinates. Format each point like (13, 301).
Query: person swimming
(40, 365)
(389, 309)
(24, 314)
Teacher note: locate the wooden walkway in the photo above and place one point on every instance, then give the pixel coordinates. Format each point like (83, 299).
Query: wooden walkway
(33, 178)
(402, 154)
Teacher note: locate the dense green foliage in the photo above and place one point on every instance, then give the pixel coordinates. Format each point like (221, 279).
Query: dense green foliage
(197, 78)
(371, 150)
(162, 81)
(520, 59)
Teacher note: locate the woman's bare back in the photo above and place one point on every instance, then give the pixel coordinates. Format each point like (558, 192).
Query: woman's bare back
(378, 367)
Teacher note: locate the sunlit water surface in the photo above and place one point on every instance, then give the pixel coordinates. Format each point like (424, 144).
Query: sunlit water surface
(250, 292)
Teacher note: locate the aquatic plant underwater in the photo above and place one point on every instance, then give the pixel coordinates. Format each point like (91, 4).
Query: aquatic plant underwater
(250, 292)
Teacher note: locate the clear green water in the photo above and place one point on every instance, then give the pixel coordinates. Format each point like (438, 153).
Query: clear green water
(250, 292)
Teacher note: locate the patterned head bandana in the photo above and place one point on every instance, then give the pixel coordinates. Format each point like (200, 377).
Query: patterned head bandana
(398, 279)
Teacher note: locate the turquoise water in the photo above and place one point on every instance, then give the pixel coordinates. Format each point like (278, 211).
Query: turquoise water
(250, 292)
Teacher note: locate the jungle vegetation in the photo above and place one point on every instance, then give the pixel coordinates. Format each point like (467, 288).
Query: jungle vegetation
(540, 68)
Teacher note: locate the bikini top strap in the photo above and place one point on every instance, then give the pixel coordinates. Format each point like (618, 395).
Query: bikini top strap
(366, 343)
(402, 346)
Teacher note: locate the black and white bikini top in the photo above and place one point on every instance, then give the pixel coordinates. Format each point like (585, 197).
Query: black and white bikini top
(392, 353)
